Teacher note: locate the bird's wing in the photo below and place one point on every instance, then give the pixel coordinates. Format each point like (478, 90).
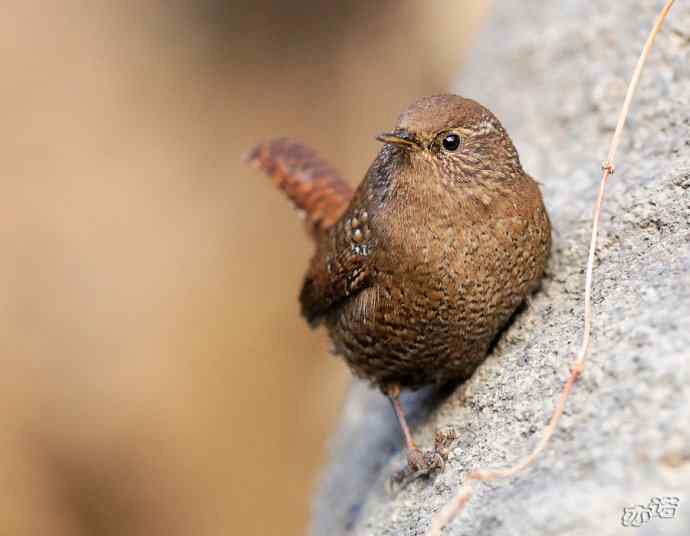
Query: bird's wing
(340, 268)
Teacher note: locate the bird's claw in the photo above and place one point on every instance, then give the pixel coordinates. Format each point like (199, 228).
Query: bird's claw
(421, 463)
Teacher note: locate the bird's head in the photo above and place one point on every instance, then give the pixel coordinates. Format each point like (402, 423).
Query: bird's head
(454, 138)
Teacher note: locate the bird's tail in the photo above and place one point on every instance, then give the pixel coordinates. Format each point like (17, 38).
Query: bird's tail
(311, 184)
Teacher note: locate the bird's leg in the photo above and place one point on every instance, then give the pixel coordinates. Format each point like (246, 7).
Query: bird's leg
(394, 396)
(419, 463)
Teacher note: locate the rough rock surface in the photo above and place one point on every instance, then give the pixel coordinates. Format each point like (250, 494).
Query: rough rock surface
(555, 73)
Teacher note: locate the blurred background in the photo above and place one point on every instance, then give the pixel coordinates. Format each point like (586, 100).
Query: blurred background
(156, 376)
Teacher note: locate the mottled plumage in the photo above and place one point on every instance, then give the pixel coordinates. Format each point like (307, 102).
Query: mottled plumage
(433, 253)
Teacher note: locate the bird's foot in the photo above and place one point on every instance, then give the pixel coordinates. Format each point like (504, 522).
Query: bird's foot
(421, 463)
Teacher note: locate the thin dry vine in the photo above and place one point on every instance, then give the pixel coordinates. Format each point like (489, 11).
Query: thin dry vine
(456, 505)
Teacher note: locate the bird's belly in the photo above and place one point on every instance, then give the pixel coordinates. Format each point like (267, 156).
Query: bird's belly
(415, 332)
(430, 325)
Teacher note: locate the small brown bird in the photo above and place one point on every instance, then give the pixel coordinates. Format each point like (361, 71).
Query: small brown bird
(417, 271)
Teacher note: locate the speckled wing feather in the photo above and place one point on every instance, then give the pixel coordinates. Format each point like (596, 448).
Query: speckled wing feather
(308, 181)
(336, 272)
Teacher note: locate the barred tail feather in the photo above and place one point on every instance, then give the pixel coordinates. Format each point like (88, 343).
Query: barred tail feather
(310, 183)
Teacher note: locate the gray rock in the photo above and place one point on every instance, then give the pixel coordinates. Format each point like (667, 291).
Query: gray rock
(555, 73)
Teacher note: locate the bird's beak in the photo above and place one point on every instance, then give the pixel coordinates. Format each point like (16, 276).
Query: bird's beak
(400, 138)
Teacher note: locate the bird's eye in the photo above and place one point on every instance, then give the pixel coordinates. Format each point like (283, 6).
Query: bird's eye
(451, 142)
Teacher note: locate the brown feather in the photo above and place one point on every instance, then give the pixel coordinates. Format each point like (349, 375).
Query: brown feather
(310, 183)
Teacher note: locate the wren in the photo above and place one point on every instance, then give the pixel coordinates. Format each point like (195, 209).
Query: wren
(417, 271)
